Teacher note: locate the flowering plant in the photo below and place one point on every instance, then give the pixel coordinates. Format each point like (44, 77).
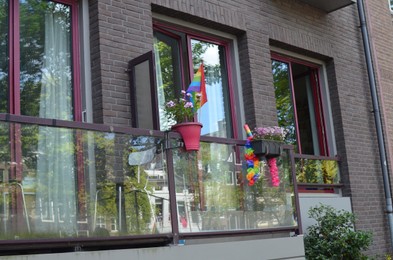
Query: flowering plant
(274, 133)
(182, 109)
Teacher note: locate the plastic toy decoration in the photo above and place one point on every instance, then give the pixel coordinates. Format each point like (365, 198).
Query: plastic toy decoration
(252, 161)
(275, 179)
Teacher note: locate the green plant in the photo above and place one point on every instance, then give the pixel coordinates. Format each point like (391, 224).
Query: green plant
(182, 109)
(333, 236)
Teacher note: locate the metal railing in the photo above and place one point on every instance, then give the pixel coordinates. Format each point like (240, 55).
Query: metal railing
(90, 184)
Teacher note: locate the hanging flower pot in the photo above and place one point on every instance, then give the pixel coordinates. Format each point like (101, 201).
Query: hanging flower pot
(267, 148)
(191, 134)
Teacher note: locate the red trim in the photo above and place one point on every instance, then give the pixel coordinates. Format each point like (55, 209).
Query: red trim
(14, 56)
(180, 51)
(318, 112)
(280, 57)
(75, 62)
(231, 90)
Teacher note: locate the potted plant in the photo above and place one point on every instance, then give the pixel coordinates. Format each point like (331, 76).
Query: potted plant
(263, 142)
(182, 110)
(268, 141)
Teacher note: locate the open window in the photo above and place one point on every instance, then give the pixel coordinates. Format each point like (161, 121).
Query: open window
(299, 105)
(177, 56)
(303, 109)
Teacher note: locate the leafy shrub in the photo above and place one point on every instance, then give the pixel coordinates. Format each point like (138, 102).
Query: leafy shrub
(333, 236)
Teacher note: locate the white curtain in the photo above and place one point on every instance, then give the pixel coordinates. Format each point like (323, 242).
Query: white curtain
(55, 194)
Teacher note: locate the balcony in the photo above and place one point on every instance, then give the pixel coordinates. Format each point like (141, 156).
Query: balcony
(330, 5)
(66, 185)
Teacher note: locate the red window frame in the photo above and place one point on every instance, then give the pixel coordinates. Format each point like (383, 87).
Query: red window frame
(317, 97)
(191, 34)
(14, 94)
(14, 58)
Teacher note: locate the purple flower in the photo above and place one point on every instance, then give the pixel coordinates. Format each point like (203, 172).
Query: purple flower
(170, 104)
(188, 104)
(270, 133)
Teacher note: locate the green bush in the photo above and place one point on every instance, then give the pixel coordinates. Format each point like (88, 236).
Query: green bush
(333, 236)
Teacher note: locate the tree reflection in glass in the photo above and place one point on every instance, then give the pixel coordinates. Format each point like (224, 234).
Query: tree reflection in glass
(284, 104)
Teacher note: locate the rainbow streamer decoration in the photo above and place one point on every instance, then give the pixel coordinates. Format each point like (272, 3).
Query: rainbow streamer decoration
(252, 160)
(198, 86)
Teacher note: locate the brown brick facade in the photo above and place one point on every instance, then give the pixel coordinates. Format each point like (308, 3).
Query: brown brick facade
(122, 30)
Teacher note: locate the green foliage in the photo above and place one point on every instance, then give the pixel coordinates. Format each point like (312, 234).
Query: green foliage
(181, 110)
(284, 103)
(333, 236)
(316, 171)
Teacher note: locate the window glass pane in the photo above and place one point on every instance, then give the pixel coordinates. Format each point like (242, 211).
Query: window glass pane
(143, 95)
(285, 113)
(305, 109)
(4, 54)
(168, 74)
(305, 116)
(45, 65)
(215, 114)
(212, 193)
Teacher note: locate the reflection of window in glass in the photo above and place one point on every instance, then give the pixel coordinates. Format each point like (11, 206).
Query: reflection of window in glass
(391, 5)
(113, 224)
(101, 222)
(299, 107)
(174, 70)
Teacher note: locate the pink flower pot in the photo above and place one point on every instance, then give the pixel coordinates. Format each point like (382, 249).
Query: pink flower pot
(191, 134)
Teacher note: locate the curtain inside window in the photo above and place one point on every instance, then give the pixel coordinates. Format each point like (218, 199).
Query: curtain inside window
(55, 194)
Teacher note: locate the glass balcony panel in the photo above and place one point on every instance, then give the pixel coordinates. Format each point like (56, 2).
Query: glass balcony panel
(317, 171)
(213, 195)
(68, 183)
(71, 183)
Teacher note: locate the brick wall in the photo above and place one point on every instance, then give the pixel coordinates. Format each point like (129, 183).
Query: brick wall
(122, 30)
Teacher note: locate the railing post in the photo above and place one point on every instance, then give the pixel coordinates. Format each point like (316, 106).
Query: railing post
(295, 190)
(172, 190)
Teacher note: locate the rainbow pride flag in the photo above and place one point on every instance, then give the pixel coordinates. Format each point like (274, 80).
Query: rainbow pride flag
(198, 86)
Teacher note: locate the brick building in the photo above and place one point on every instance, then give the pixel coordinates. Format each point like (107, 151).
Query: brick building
(89, 163)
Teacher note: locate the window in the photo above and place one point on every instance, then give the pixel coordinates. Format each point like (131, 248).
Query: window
(177, 56)
(391, 5)
(37, 79)
(299, 104)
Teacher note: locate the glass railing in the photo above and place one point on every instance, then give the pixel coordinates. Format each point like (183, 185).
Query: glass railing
(84, 183)
(317, 171)
(212, 193)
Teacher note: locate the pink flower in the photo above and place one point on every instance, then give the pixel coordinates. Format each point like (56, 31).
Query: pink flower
(188, 104)
(272, 162)
(170, 104)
